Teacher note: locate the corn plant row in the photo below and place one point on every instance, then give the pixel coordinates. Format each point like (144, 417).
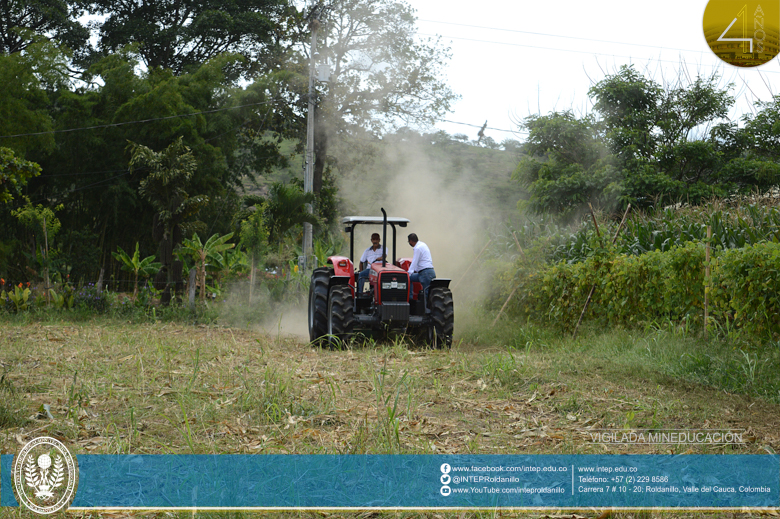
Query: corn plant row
(732, 228)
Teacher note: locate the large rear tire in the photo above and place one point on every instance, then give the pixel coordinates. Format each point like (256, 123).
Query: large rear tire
(318, 305)
(341, 318)
(442, 325)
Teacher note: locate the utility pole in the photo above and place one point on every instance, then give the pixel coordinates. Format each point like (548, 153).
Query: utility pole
(314, 17)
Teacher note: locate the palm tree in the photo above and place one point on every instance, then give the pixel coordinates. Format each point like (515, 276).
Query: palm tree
(286, 208)
(165, 187)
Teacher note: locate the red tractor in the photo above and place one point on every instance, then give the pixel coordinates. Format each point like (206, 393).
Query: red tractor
(337, 310)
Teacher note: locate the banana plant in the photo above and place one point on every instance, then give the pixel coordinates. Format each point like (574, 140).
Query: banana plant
(234, 261)
(139, 267)
(209, 252)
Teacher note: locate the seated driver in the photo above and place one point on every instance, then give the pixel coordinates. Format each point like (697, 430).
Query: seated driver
(372, 254)
(421, 269)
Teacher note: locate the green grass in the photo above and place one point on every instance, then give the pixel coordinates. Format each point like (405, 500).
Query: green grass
(12, 412)
(734, 370)
(659, 355)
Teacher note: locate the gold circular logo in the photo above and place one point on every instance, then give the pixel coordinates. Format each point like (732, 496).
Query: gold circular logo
(743, 33)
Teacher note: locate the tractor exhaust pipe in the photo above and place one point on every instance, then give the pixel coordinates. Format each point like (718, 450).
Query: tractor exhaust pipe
(384, 237)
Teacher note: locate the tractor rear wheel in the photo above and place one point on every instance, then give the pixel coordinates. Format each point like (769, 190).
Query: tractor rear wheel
(443, 318)
(341, 319)
(318, 304)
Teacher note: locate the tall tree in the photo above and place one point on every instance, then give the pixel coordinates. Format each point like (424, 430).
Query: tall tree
(24, 101)
(14, 174)
(645, 144)
(642, 119)
(87, 169)
(180, 35)
(24, 122)
(165, 187)
(382, 77)
(567, 164)
(22, 20)
(762, 130)
(662, 135)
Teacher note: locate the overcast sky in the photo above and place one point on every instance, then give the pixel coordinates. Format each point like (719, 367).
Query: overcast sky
(514, 58)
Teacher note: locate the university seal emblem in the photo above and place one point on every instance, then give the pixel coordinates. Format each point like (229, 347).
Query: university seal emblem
(45, 475)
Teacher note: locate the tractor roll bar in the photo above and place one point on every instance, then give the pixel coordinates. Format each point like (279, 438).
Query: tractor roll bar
(351, 221)
(384, 238)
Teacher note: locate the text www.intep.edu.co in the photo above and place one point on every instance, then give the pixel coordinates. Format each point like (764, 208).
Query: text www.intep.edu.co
(501, 468)
(607, 469)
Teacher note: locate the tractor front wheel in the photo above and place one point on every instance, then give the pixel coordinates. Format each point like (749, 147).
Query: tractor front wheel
(341, 319)
(442, 318)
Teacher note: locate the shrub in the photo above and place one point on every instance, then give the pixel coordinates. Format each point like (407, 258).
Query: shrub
(746, 288)
(90, 298)
(658, 286)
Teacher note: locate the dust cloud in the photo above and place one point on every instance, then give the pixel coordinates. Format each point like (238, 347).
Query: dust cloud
(447, 209)
(263, 314)
(284, 320)
(440, 201)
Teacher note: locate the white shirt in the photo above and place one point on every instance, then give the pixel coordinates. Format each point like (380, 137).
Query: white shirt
(370, 255)
(421, 259)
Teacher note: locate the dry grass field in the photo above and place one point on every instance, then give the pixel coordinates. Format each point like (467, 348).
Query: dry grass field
(109, 387)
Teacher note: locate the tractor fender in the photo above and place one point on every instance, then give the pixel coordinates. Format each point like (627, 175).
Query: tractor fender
(338, 280)
(439, 283)
(342, 266)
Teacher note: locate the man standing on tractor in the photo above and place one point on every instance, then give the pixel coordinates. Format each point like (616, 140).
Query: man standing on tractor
(374, 253)
(421, 269)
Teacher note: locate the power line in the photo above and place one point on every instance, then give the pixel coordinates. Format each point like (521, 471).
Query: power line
(111, 125)
(534, 46)
(558, 36)
(81, 188)
(210, 139)
(50, 175)
(591, 53)
(480, 126)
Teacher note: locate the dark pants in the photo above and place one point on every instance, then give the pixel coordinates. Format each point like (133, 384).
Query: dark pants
(424, 277)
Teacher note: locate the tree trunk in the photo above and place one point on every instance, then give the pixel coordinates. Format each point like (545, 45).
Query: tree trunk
(171, 272)
(46, 258)
(177, 270)
(164, 252)
(177, 279)
(251, 277)
(191, 287)
(202, 272)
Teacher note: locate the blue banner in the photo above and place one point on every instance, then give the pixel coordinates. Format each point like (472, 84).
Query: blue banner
(419, 481)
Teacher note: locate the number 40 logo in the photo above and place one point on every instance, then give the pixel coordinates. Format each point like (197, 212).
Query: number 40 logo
(743, 34)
